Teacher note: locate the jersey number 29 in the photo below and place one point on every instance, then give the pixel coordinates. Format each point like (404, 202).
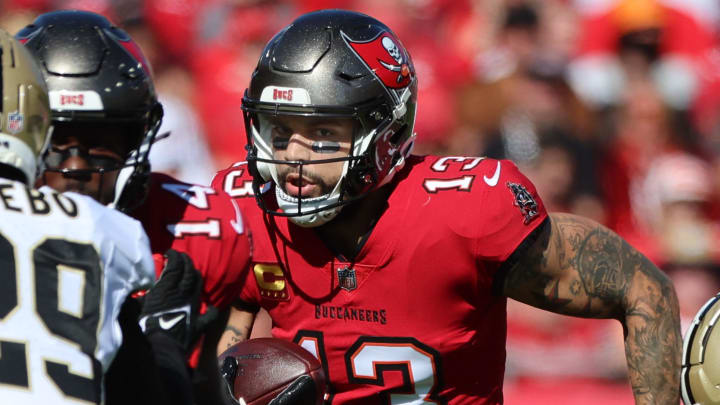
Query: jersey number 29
(49, 258)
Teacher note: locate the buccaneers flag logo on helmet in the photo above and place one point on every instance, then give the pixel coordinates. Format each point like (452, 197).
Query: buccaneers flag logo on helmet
(386, 58)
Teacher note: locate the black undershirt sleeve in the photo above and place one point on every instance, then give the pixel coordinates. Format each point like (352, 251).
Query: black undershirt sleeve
(516, 255)
(245, 306)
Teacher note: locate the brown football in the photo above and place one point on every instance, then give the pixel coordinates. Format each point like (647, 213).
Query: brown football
(267, 366)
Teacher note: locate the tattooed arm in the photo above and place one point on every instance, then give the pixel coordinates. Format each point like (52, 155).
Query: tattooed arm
(237, 330)
(578, 267)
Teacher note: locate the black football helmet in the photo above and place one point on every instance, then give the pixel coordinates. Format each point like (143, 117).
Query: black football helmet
(96, 73)
(333, 64)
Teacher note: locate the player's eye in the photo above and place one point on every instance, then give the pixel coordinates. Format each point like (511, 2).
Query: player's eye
(280, 130)
(280, 142)
(102, 161)
(56, 156)
(324, 132)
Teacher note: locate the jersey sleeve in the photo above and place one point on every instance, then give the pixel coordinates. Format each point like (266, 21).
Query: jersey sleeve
(236, 182)
(512, 209)
(205, 224)
(129, 256)
(222, 258)
(249, 297)
(128, 266)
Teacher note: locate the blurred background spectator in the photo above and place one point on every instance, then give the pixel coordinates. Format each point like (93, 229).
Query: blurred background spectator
(611, 107)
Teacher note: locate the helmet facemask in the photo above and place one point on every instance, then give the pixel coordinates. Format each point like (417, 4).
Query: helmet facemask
(121, 181)
(131, 185)
(304, 211)
(376, 153)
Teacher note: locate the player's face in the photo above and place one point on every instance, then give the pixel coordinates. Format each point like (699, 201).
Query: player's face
(86, 159)
(309, 139)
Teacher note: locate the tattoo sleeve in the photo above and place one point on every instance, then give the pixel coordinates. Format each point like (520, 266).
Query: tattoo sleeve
(578, 267)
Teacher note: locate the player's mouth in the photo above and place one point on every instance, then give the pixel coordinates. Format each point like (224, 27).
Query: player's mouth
(298, 186)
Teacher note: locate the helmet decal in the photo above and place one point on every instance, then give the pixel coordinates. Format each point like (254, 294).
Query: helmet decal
(131, 47)
(385, 58)
(84, 100)
(15, 122)
(285, 95)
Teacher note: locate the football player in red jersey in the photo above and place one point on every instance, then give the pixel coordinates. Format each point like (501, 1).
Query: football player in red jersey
(106, 116)
(394, 269)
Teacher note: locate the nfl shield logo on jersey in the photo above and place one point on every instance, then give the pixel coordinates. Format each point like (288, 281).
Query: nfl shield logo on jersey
(346, 278)
(15, 122)
(525, 201)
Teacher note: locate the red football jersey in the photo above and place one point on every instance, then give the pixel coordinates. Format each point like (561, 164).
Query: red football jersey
(413, 319)
(204, 223)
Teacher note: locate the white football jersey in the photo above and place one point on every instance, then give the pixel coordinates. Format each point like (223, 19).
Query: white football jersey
(67, 264)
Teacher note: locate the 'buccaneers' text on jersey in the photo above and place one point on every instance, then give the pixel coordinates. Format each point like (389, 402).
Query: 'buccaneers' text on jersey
(417, 307)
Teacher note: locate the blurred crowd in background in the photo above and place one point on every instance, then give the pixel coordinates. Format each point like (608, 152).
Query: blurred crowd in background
(611, 107)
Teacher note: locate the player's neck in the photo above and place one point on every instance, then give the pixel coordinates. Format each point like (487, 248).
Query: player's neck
(346, 234)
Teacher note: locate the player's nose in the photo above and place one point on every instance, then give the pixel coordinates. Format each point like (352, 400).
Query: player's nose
(298, 148)
(75, 167)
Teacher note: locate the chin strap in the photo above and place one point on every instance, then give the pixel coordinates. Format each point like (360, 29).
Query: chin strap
(290, 205)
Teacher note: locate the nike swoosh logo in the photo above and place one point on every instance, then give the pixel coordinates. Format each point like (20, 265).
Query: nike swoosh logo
(492, 181)
(168, 324)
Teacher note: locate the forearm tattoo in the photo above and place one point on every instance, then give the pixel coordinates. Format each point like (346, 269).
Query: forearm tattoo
(237, 335)
(578, 267)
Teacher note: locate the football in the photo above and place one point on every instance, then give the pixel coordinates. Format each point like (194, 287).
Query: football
(258, 370)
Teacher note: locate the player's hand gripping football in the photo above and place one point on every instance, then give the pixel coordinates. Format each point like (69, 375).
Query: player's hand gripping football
(302, 391)
(172, 305)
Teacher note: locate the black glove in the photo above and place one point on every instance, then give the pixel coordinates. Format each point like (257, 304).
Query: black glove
(171, 306)
(228, 371)
(302, 391)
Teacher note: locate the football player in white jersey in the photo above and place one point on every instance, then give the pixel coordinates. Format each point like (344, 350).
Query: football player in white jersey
(67, 265)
